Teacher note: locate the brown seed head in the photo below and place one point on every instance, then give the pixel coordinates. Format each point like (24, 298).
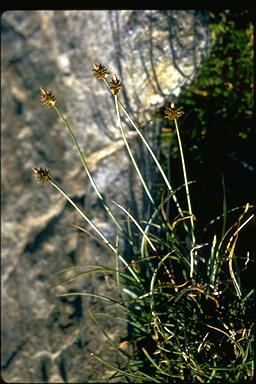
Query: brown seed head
(47, 97)
(42, 175)
(173, 112)
(115, 84)
(100, 72)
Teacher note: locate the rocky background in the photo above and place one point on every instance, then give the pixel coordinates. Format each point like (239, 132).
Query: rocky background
(46, 338)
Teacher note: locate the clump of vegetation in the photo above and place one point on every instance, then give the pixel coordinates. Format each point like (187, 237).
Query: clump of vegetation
(183, 300)
(184, 295)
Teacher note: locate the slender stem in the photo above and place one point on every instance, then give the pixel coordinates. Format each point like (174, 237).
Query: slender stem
(193, 253)
(157, 163)
(154, 158)
(95, 229)
(150, 151)
(186, 183)
(152, 218)
(239, 229)
(130, 153)
(60, 114)
(169, 175)
(152, 286)
(79, 150)
(117, 268)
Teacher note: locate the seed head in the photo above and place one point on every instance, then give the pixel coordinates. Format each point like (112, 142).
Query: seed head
(47, 97)
(173, 112)
(115, 84)
(42, 175)
(100, 72)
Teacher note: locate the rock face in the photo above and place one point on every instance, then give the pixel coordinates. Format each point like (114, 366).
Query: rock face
(46, 338)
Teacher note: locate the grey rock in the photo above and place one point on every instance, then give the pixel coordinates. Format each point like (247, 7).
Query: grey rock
(46, 338)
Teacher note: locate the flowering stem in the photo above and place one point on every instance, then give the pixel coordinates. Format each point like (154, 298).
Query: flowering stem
(95, 229)
(153, 157)
(130, 153)
(186, 183)
(155, 160)
(150, 151)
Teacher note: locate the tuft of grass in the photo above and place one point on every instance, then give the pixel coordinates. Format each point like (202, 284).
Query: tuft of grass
(183, 301)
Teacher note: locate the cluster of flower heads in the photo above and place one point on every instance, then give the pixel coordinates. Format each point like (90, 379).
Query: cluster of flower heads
(173, 112)
(42, 175)
(100, 72)
(47, 97)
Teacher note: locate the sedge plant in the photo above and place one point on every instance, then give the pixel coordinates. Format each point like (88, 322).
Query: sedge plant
(184, 303)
